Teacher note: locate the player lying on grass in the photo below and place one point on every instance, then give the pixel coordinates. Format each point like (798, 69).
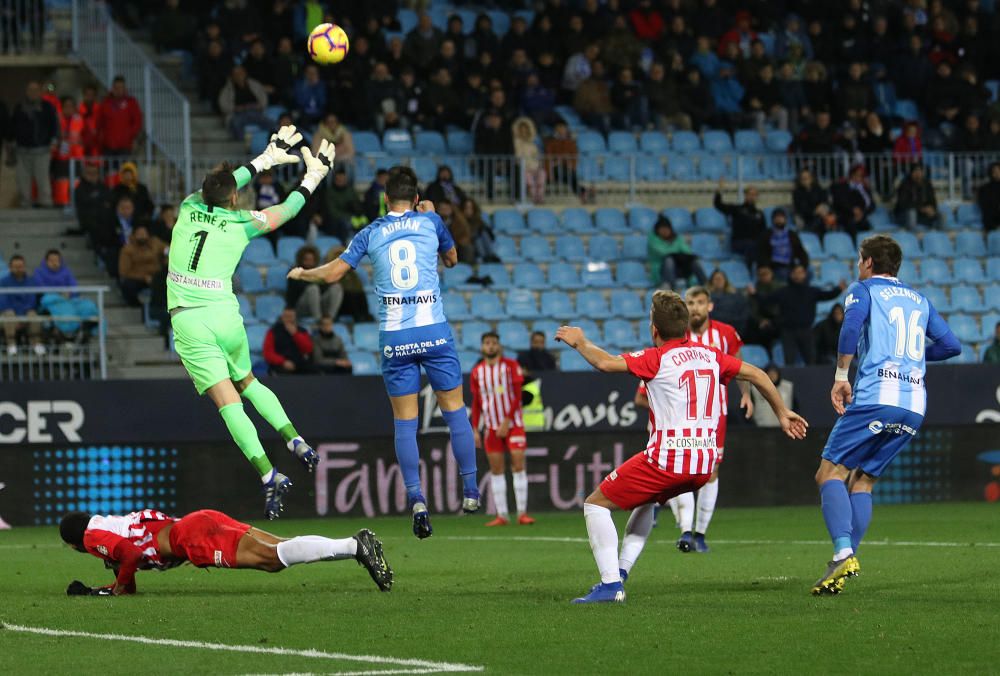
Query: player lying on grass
(885, 322)
(206, 247)
(151, 540)
(682, 384)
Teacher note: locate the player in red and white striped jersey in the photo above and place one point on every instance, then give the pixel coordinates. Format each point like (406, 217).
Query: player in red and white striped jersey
(704, 330)
(151, 540)
(682, 384)
(496, 384)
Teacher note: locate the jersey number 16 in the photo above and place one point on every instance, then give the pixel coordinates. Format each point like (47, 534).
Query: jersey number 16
(909, 334)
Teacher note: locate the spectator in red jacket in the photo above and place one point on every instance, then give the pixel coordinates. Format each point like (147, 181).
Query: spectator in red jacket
(647, 22)
(120, 120)
(908, 147)
(741, 34)
(90, 113)
(288, 348)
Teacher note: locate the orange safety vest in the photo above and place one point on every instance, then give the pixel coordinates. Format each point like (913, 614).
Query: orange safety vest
(71, 138)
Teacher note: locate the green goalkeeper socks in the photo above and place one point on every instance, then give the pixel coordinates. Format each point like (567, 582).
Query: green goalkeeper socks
(267, 404)
(245, 436)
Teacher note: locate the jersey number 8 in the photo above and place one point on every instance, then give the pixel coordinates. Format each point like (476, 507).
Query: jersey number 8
(403, 257)
(909, 335)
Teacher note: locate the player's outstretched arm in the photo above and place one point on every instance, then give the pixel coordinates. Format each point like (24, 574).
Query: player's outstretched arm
(792, 423)
(595, 356)
(330, 273)
(317, 168)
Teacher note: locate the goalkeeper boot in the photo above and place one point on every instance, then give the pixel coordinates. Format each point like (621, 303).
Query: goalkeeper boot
(370, 556)
(421, 520)
(836, 573)
(700, 545)
(470, 501)
(274, 493)
(306, 455)
(605, 592)
(686, 542)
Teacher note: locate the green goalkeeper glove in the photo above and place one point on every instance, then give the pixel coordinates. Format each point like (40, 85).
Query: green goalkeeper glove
(318, 166)
(278, 150)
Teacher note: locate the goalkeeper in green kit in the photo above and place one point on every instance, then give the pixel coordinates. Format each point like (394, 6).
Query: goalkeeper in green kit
(206, 246)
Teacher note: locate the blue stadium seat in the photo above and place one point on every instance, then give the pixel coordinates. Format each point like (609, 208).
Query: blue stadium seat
(591, 304)
(641, 219)
(363, 363)
(529, 276)
(965, 328)
(710, 168)
(909, 243)
(832, 272)
(634, 247)
(685, 142)
(589, 142)
(777, 141)
(756, 355)
(937, 297)
(628, 304)
(991, 297)
(509, 221)
(707, 246)
(572, 362)
(496, 272)
(681, 168)
(344, 331)
(969, 243)
(717, 141)
(460, 142)
(778, 168)
(737, 273)
(588, 169)
(569, 248)
(602, 248)
(487, 305)
(966, 299)
(577, 220)
(621, 334)
(506, 249)
(430, 142)
(326, 242)
(258, 140)
(748, 167)
(564, 276)
(597, 275)
(993, 268)
(276, 278)
(993, 243)
(425, 168)
(650, 168)
(622, 142)
(288, 246)
(521, 304)
(455, 277)
(468, 359)
(268, 308)
(472, 333)
(680, 219)
(536, 248)
(514, 335)
(250, 279)
(968, 214)
(557, 305)
(407, 20)
(935, 271)
(938, 244)
(366, 336)
(654, 142)
(255, 336)
(455, 307)
(748, 141)
(501, 22)
(397, 142)
(908, 272)
(710, 218)
(632, 274)
(460, 167)
(812, 245)
(610, 220)
(839, 245)
(543, 221)
(246, 309)
(259, 252)
(969, 270)
(618, 169)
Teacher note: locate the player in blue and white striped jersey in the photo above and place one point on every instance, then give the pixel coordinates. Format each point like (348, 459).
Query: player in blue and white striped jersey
(885, 323)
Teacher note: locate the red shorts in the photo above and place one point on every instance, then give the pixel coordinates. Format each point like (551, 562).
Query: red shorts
(639, 482)
(207, 538)
(514, 441)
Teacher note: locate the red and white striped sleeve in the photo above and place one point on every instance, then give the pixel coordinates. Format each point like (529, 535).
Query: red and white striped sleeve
(644, 364)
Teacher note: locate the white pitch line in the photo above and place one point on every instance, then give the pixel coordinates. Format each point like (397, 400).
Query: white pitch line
(866, 543)
(44, 545)
(422, 666)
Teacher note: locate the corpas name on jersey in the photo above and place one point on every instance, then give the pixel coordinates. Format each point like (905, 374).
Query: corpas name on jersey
(408, 300)
(407, 349)
(406, 224)
(888, 374)
(888, 292)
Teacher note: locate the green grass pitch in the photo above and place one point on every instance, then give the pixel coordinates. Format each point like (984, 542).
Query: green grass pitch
(927, 601)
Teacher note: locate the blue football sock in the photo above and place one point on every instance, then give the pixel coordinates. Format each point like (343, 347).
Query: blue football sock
(837, 513)
(861, 516)
(408, 457)
(463, 445)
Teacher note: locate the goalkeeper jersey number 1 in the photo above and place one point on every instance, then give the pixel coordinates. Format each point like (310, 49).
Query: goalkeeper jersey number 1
(205, 247)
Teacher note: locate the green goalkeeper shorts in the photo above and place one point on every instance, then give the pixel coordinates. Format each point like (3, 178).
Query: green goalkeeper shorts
(212, 345)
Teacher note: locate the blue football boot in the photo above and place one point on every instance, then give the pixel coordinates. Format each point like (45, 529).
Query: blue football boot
(605, 592)
(274, 493)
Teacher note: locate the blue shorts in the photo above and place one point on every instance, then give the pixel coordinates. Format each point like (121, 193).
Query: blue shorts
(405, 351)
(869, 437)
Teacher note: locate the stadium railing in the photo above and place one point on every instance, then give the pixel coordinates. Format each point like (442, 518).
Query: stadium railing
(618, 179)
(73, 360)
(108, 51)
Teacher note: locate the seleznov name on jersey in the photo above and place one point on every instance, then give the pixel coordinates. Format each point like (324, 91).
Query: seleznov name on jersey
(896, 375)
(409, 300)
(888, 292)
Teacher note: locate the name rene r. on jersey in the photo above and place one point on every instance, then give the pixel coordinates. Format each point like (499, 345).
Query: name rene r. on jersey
(211, 219)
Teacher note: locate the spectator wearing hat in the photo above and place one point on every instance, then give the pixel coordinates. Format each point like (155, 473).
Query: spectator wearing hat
(780, 247)
(129, 186)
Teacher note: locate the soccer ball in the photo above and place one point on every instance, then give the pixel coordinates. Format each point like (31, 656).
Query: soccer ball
(327, 44)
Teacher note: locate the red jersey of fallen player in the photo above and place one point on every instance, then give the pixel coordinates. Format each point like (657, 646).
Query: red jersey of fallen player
(129, 542)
